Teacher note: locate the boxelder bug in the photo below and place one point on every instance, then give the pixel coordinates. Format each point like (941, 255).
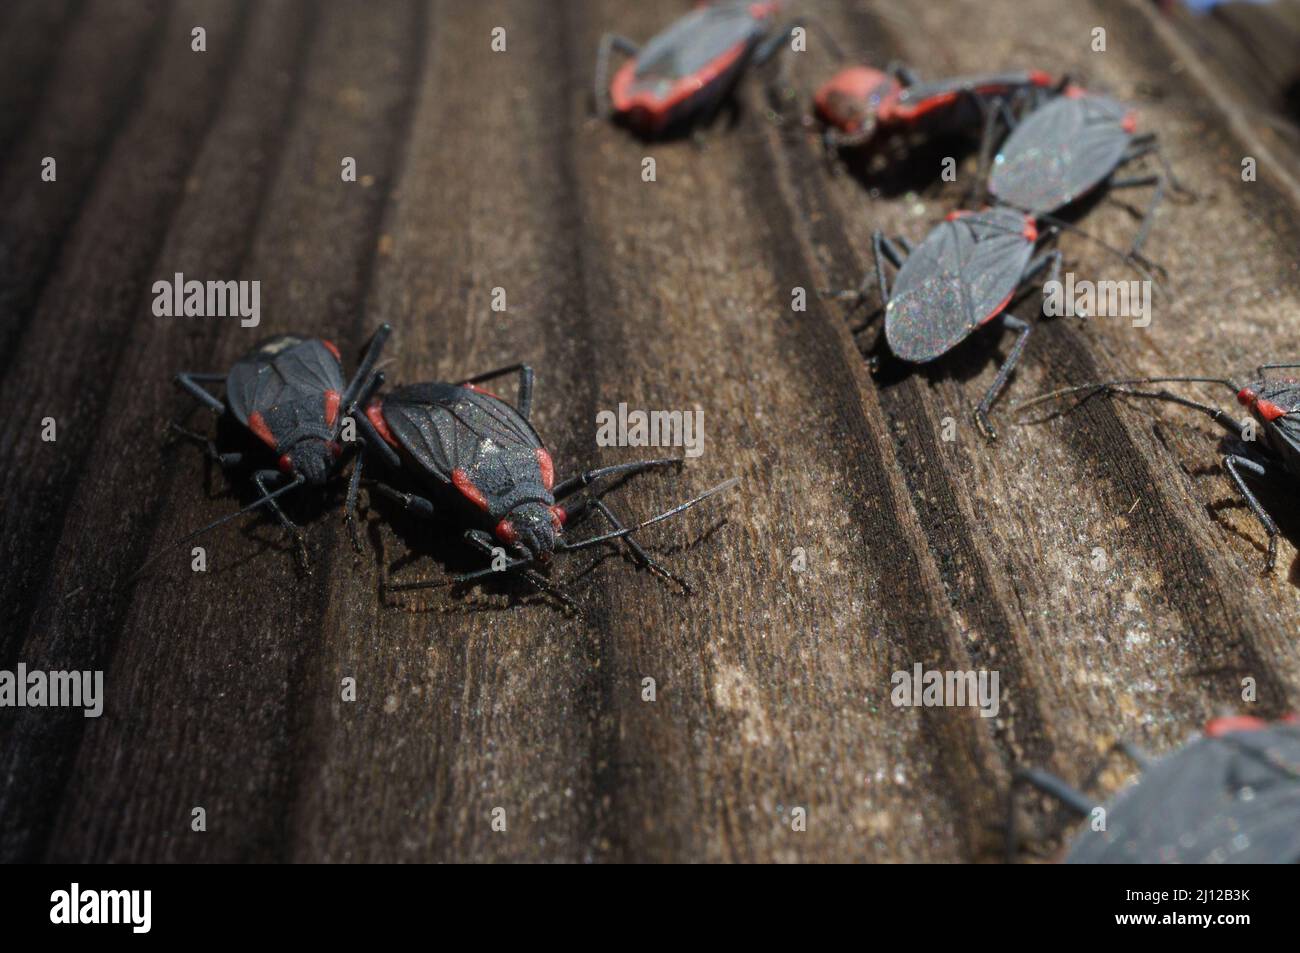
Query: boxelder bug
(480, 458)
(289, 392)
(1231, 795)
(963, 275)
(683, 75)
(1274, 403)
(1067, 148)
(858, 102)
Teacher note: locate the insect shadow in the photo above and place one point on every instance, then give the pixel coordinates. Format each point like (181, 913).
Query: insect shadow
(1263, 469)
(901, 164)
(440, 539)
(966, 362)
(1275, 497)
(221, 484)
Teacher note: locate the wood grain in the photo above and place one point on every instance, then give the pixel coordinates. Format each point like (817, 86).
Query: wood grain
(482, 170)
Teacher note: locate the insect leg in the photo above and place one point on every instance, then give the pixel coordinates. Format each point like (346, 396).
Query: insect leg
(365, 367)
(592, 503)
(350, 504)
(1035, 267)
(524, 402)
(902, 72)
(225, 459)
(609, 43)
(882, 249)
(1159, 182)
(975, 195)
(768, 48)
(1136, 755)
(1022, 329)
(1049, 784)
(412, 503)
(574, 483)
(260, 478)
(1230, 463)
(781, 90)
(372, 441)
(189, 383)
(481, 541)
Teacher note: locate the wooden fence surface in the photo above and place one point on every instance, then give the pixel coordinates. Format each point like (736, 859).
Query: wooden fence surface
(1101, 563)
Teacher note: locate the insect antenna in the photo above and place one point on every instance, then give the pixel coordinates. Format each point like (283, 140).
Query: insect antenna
(1125, 387)
(1141, 264)
(298, 481)
(667, 514)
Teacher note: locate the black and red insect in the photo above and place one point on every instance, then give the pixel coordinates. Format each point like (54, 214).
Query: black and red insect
(684, 75)
(1231, 795)
(1069, 147)
(1273, 402)
(290, 394)
(475, 456)
(860, 103)
(971, 267)
(964, 275)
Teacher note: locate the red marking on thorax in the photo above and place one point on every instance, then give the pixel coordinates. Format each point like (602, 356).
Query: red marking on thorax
(332, 398)
(375, 414)
(559, 516)
(258, 425)
(547, 468)
(1218, 727)
(333, 349)
(505, 532)
(893, 111)
(1130, 122)
(843, 98)
(1265, 409)
(285, 464)
(1269, 410)
(460, 479)
(479, 390)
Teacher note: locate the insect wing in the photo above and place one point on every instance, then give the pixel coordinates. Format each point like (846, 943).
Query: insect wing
(1060, 152)
(692, 43)
(943, 90)
(280, 372)
(1231, 798)
(447, 428)
(962, 275)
